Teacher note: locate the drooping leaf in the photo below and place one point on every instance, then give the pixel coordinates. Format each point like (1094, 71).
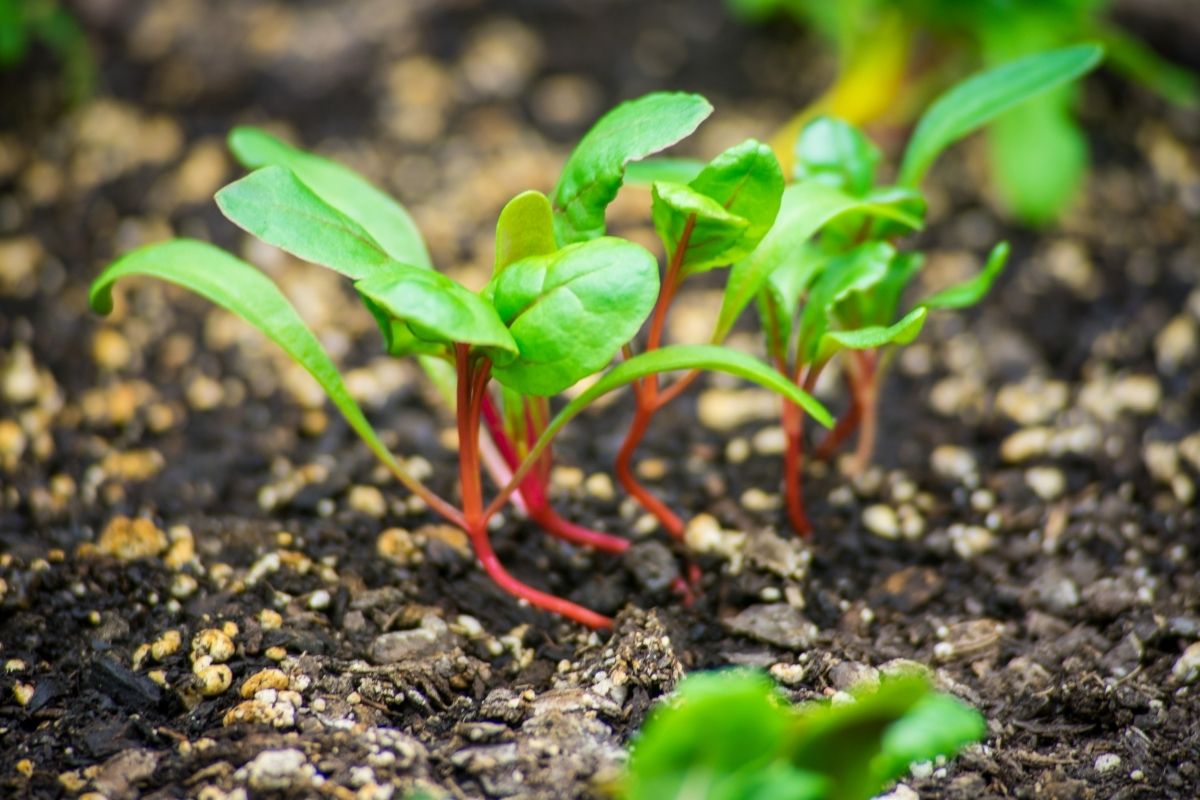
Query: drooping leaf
(983, 97)
(593, 174)
(246, 292)
(856, 271)
(779, 298)
(724, 212)
(805, 209)
(525, 228)
(570, 311)
(1038, 158)
(937, 725)
(970, 292)
(274, 205)
(662, 168)
(872, 337)
(382, 217)
(437, 309)
(837, 154)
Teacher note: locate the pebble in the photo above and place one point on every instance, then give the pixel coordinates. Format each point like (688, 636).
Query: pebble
(882, 521)
(900, 792)
(1161, 459)
(779, 624)
(367, 500)
(22, 693)
(651, 469)
(269, 678)
(788, 674)
(953, 463)
(737, 451)
(278, 770)
(20, 378)
(755, 499)
(214, 679)
(1033, 401)
(397, 546)
(971, 540)
(431, 637)
(13, 442)
(110, 349)
(770, 441)
(704, 534)
(1047, 483)
(600, 486)
(130, 539)
(1187, 667)
(270, 620)
(726, 409)
(319, 600)
(166, 645)
(213, 643)
(1176, 344)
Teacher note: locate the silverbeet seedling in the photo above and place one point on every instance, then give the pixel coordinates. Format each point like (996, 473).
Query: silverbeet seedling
(731, 735)
(829, 275)
(563, 300)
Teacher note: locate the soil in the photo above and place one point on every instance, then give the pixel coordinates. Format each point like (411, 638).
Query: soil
(207, 588)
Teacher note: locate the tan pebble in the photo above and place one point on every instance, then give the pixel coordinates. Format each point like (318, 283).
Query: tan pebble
(183, 547)
(110, 349)
(567, 479)
(213, 643)
(449, 535)
(600, 486)
(882, 521)
(140, 654)
(770, 441)
(651, 469)
(19, 258)
(275, 653)
(953, 463)
(250, 712)
(166, 645)
(724, 409)
(971, 540)
(14, 665)
(183, 586)
(1140, 394)
(1176, 344)
(20, 378)
(204, 394)
(264, 679)
(22, 693)
(12, 441)
(757, 500)
(645, 525)
(130, 539)
(214, 679)
(1032, 402)
(1025, 444)
(72, 781)
(1162, 460)
(737, 451)
(367, 500)
(1047, 483)
(270, 620)
(133, 465)
(229, 628)
(158, 676)
(25, 766)
(397, 546)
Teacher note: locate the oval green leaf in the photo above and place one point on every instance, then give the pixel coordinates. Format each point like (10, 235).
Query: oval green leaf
(872, 337)
(837, 154)
(970, 292)
(525, 228)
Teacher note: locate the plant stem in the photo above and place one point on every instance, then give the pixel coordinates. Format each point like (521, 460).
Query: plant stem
(867, 400)
(793, 456)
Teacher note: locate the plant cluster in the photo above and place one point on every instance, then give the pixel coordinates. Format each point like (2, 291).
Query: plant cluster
(892, 53)
(731, 735)
(565, 298)
(26, 23)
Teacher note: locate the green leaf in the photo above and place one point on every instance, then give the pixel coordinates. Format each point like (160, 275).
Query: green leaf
(880, 304)
(1037, 189)
(779, 298)
(729, 207)
(274, 205)
(437, 309)
(970, 292)
(872, 337)
(570, 311)
(837, 154)
(981, 98)
(805, 209)
(662, 168)
(856, 271)
(1176, 84)
(937, 725)
(243, 290)
(593, 174)
(525, 228)
(383, 218)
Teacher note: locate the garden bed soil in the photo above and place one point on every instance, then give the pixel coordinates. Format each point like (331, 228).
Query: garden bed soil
(207, 587)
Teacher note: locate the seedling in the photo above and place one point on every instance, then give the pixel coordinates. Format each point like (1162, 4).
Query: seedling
(894, 56)
(563, 300)
(25, 24)
(828, 276)
(731, 734)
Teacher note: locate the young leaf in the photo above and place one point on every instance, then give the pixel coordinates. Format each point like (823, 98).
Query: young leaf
(437, 309)
(780, 295)
(981, 98)
(837, 154)
(570, 311)
(662, 168)
(970, 292)
(243, 290)
(274, 205)
(856, 271)
(805, 209)
(678, 209)
(872, 337)
(937, 725)
(525, 228)
(347, 191)
(594, 172)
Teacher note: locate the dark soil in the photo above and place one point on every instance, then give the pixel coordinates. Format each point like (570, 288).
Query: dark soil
(170, 489)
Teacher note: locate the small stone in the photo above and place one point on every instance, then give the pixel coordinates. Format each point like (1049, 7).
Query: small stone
(788, 674)
(23, 693)
(1176, 344)
(13, 442)
(953, 463)
(882, 521)
(737, 451)
(397, 546)
(130, 539)
(566, 479)
(971, 540)
(213, 643)
(704, 534)
(367, 500)
(651, 469)
(724, 409)
(276, 770)
(320, 600)
(110, 349)
(275, 653)
(1187, 667)
(433, 636)
(25, 766)
(771, 441)
(755, 499)
(1033, 401)
(779, 624)
(1162, 460)
(19, 379)
(652, 564)
(269, 678)
(214, 679)
(1140, 394)
(203, 393)
(600, 486)
(448, 535)
(1025, 444)
(270, 620)
(166, 645)
(183, 586)
(1047, 483)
